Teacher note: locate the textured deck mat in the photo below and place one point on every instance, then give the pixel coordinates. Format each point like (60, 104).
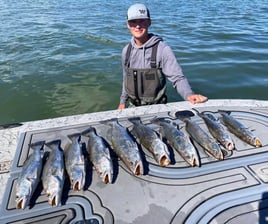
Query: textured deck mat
(233, 190)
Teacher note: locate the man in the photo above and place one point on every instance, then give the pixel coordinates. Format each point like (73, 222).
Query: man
(147, 61)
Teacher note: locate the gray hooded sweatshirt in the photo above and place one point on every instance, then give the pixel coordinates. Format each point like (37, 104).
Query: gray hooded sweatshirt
(140, 58)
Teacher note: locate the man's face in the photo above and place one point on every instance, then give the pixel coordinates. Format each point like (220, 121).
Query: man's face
(139, 27)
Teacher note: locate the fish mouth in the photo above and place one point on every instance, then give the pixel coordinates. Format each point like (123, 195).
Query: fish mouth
(229, 146)
(138, 169)
(257, 142)
(107, 178)
(220, 156)
(164, 161)
(195, 162)
(53, 200)
(77, 185)
(21, 203)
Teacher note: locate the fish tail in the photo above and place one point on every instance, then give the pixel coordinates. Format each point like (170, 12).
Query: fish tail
(184, 115)
(74, 136)
(37, 145)
(155, 120)
(109, 121)
(224, 112)
(197, 111)
(210, 116)
(88, 131)
(158, 120)
(134, 120)
(54, 143)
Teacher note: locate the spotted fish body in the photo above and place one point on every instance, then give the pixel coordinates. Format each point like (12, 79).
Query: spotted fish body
(125, 147)
(178, 141)
(218, 131)
(30, 175)
(203, 139)
(53, 175)
(75, 162)
(151, 141)
(238, 129)
(99, 155)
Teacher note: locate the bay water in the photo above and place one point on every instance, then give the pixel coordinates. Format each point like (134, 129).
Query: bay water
(63, 57)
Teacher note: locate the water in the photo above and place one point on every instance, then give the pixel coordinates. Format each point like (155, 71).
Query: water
(63, 57)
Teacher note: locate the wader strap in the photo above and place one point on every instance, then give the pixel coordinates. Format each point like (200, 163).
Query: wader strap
(153, 56)
(128, 55)
(138, 101)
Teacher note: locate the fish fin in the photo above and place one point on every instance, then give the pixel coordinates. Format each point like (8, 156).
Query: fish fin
(137, 121)
(36, 173)
(54, 172)
(160, 133)
(133, 133)
(29, 178)
(177, 126)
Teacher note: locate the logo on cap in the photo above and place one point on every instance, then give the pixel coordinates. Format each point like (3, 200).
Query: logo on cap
(142, 11)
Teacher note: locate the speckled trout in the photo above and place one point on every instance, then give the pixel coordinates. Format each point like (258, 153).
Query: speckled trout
(217, 130)
(178, 140)
(99, 155)
(53, 175)
(238, 129)
(202, 138)
(151, 141)
(75, 162)
(29, 176)
(125, 147)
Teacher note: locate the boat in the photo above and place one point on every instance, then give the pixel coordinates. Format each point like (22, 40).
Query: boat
(234, 189)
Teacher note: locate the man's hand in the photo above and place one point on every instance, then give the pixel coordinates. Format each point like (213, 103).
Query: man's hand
(197, 98)
(121, 106)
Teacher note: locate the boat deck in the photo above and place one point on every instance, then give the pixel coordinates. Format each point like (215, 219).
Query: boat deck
(233, 190)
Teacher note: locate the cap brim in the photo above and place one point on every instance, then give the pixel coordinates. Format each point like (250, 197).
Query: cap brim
(138, 17)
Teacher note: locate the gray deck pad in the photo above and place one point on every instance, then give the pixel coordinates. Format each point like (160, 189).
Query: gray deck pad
(233, 190)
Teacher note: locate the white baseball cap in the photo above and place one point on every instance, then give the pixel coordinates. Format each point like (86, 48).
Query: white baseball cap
(138, 11)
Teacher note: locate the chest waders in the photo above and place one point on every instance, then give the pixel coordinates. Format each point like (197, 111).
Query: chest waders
(145, 86)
